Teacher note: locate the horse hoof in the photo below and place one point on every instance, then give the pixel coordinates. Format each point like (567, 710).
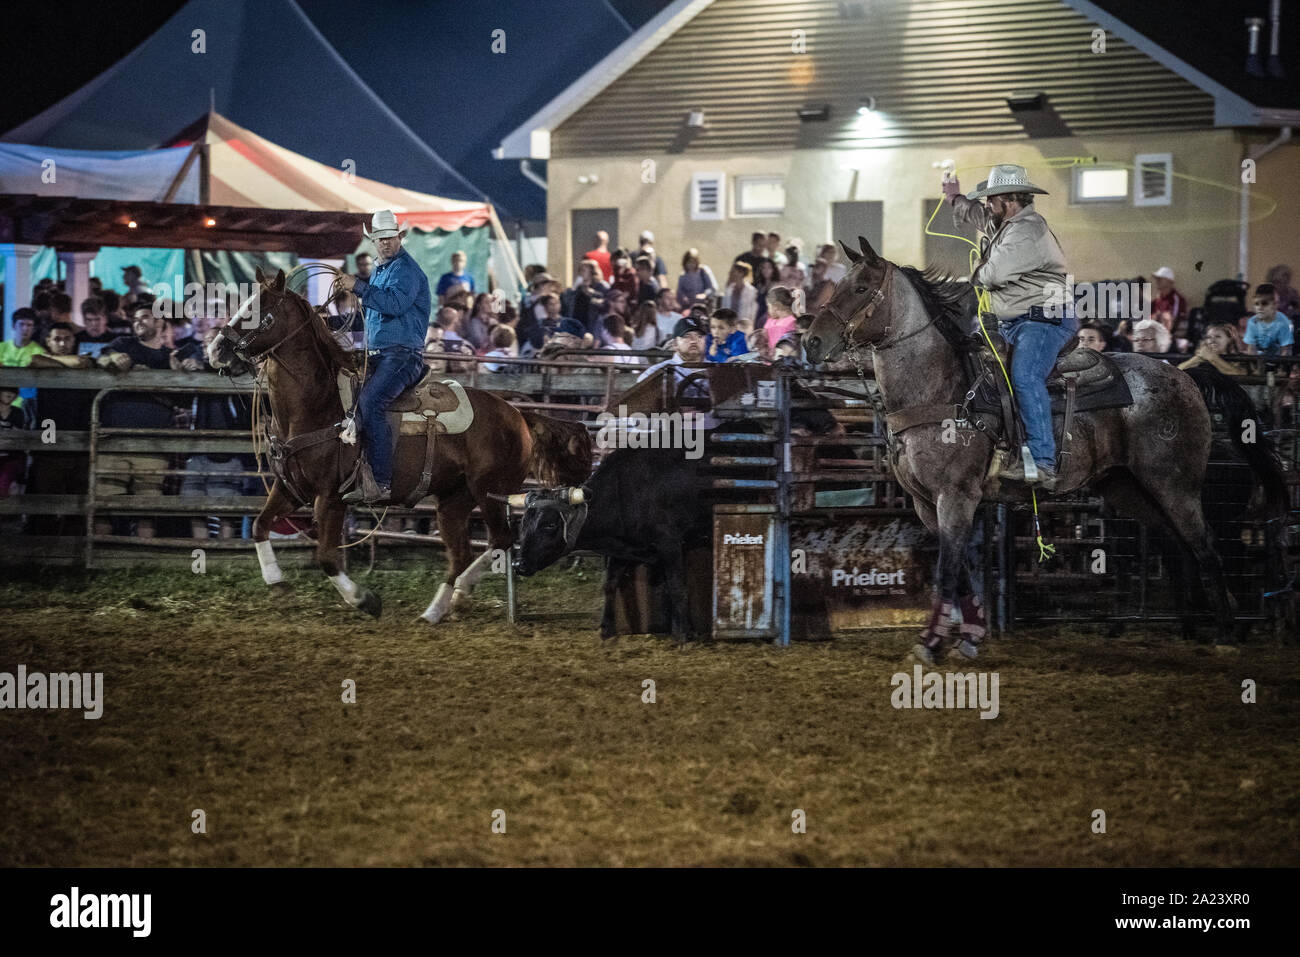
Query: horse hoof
(281, 589)
(968, 649)
(370, 603)
(923, 654)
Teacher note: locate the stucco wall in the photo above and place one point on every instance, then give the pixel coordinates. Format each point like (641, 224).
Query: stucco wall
(1275, 238)
(1101, 241)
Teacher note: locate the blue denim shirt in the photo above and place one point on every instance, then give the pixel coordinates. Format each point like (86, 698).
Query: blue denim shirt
(397, 302)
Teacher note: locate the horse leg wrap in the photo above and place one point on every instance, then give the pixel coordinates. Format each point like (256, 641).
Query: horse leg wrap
(974, 624)
(470, 577)
(271, 573)
(440, 605)
(347, 588)
(939, 626)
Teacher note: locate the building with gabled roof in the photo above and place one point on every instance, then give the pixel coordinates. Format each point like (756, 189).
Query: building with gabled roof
(834, 118)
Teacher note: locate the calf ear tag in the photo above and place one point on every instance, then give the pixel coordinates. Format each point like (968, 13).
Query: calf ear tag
(517, 500)
(576, 496)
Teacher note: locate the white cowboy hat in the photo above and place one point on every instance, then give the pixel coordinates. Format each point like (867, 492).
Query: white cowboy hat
(1005, 178)
(383, 225)
(1164, 272)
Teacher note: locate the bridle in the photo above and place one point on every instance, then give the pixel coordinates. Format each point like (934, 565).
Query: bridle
(239, 343)
(866, 311)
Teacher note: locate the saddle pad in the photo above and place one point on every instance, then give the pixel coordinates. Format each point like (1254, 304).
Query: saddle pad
(448, 418)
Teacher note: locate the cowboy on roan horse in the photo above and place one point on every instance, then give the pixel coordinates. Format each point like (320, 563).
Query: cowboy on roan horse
(1022, 262)
(397, 302)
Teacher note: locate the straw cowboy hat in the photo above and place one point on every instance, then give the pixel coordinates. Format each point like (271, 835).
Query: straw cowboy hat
(383, 225)
(1005, 178)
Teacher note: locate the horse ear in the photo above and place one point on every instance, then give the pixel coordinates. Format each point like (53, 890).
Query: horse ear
(279, 280)
(868, 253)
(259, 276)
(854, 257)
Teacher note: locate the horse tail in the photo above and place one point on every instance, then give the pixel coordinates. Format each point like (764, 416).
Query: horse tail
(562, 450)
(1223, 395)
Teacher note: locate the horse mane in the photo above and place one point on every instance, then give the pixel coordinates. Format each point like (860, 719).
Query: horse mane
(335, 354)
(944, 297)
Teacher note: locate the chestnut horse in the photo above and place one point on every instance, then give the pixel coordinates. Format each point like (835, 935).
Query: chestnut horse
(1147, 460)
(477, 467)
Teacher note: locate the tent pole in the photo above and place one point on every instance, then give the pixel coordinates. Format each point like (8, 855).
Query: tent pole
(180, 177)
(516, 270)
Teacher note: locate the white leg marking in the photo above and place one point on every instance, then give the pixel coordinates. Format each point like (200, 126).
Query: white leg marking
(270, 567)
(471, 576)
(440, 605)
(347, 588)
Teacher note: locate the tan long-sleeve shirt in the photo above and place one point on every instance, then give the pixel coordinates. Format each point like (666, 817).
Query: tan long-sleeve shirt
(1022, 262)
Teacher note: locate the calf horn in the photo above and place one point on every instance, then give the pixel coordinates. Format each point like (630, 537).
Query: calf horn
(516, 499)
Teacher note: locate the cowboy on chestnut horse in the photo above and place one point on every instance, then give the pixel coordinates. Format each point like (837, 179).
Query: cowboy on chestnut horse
(1022, 261)
(397, 302)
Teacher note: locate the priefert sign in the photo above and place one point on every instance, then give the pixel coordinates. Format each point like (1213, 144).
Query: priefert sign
(857, 579)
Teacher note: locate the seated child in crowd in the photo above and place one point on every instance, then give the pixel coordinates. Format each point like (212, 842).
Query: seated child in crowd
(724, 341)
(503, 347)
(1268, 333)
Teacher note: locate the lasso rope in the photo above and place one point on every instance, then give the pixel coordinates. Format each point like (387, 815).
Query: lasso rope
(261, 441)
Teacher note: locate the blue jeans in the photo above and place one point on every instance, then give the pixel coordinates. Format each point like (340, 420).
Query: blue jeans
(1036, 345)
(391, 372)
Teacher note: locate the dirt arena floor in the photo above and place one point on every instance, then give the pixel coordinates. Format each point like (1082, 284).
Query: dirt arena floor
(221, 698)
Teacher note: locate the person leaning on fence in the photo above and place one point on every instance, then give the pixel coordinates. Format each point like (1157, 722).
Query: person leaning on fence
(397, 301)
(503, 347)
(725, 341)
(687, 344)
(13, 464)
(55, 472)
(1268, 332)
(1020, 263)
(134, 473)
(1220, 339)
(783, 305)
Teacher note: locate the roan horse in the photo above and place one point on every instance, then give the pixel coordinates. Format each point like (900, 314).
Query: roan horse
(1146, 460)
(478, 467)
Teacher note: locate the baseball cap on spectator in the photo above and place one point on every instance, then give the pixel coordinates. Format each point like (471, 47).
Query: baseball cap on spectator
(573, 327)
(686, 325)
(1164, 272)
(541, 279)
(647, 236)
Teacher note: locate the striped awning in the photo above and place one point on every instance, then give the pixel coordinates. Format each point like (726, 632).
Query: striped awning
(245, 169)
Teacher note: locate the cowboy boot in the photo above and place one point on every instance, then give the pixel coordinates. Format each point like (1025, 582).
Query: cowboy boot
(368, 491)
